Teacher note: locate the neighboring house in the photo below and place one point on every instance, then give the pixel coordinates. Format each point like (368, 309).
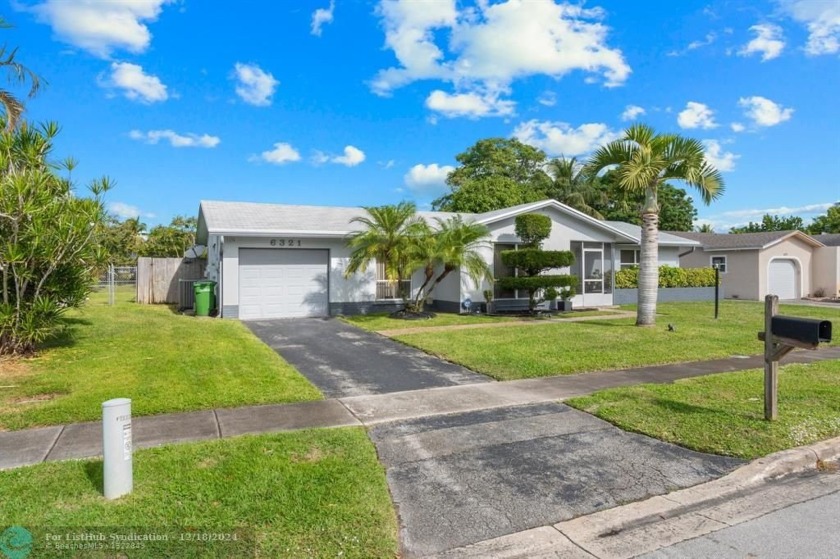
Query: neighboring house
(276, 261)
(789, 264)
(827, 266)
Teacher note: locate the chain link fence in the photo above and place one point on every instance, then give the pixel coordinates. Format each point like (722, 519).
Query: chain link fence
(119, 280)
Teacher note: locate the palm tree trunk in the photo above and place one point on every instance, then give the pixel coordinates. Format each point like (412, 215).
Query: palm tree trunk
(648, 269)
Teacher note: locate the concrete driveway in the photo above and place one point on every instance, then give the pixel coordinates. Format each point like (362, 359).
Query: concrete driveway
(463, 478)
(342, 360)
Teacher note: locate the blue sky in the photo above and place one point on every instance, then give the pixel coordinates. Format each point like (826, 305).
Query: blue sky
(365, 102)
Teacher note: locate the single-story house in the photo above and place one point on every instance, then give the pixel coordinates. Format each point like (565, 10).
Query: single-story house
(276, 261)
(790, 264)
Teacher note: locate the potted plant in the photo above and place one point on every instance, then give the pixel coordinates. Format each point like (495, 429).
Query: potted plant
(550, 294)
(566, 295)
(488, 300)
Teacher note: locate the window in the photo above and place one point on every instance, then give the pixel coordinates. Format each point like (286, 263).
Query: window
(720, 263)
(387, 289)
(629, 258)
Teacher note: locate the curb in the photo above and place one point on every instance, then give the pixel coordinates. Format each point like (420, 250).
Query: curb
(645, 526)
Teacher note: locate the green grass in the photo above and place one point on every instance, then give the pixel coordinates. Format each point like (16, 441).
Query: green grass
(564, 348)
(318, 493)
(381, 321)
(724, 414)
(163, 361)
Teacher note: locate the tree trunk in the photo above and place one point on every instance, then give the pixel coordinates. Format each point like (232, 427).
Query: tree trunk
(648, 269)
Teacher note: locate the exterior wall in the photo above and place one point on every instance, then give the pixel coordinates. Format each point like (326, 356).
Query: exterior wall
(826, 271)
(214, 258)
(668, 295)
(741, 280)
(361, 288)
(795, 249)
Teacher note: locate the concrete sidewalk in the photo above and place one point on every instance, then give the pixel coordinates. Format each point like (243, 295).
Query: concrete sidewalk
(83, 440)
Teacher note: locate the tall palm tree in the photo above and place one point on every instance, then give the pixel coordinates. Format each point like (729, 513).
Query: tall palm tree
(17, 73)
(385, 239)
(644, 160)
(454, 245)
(571, 186)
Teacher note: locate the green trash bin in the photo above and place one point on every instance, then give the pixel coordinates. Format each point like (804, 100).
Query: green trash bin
(205, 297)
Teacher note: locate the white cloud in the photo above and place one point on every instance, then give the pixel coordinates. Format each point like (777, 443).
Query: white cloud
(559, 138)
(632, 112)
(710, 38)
(489, 46)
(427, 177)
(254, 85)
(281, 154)
(548, 99)
(768, 41)
(101, 27)
(822, 20)
(763, 111)
(696, 115)
(188, 140)
(352, 157)
(723, 161)
(127, 211)
(135, 83)
(737, 127)
(471, 105)
(322, 16)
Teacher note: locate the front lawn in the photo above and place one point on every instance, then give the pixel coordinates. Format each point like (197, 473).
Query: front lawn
(557, 348)
(724, 414)
(318, 493)
(382, 321)
(163, 361)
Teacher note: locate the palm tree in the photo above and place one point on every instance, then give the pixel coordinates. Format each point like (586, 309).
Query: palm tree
(643, 160)
(386, 238)
(19, 73)
(705, 228)
(571, 186)
(454, 245)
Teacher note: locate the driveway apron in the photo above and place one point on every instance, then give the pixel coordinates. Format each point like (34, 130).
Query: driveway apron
(342, 360)
(463, 478)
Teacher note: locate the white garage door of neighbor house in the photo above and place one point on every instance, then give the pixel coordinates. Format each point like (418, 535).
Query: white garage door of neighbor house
(782, 279)
(283, 283)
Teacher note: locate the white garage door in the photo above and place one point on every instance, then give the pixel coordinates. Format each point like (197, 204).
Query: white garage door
(283, 283)
(782, 279)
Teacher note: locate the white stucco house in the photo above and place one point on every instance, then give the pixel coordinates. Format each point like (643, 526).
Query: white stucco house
(278, 261)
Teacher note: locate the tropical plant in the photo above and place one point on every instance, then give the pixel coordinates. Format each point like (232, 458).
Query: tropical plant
(677, 211)
(532, 262)
(454, 244)
(49, 250)
(170, 241)
(572, 187)
(827, 223)
(385, 238)
(17, 72)
(643, 161)
(705, 228)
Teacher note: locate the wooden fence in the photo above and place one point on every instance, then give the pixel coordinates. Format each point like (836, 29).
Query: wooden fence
(158, 278)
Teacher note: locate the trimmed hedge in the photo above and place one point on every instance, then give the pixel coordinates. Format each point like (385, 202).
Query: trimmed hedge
(669, 276)
(532, 261)
(534, 283)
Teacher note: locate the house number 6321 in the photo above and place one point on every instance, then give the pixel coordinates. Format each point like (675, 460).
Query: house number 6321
(285, 242)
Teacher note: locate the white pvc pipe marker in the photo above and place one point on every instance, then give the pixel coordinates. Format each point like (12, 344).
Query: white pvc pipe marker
(117, 448)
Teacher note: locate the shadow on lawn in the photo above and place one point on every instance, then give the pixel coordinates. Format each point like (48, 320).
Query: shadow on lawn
(690, 409)
(66, 335)
(94, 471)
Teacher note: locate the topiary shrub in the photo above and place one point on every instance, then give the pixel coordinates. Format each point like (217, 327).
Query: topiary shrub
(533, 229)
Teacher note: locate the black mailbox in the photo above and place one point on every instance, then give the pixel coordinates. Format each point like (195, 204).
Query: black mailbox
(806, 330)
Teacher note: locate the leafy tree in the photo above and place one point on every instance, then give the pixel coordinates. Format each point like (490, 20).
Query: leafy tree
(532, 262)
(386, 238)
(48, 239)
(122, 240)
(17, 72)
(644, 161)
(771, 223)
(570, 186)
(828, 223)
(171, 241)
(495, 173)
(677, 211)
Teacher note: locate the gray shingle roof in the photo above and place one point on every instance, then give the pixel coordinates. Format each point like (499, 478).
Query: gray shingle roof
(741, 241)
(665, 238)
(829, 239)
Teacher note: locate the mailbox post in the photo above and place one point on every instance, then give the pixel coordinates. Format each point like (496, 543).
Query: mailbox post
(782, 334)
(117, 449)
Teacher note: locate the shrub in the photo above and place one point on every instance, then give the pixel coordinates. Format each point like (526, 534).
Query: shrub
(669, 276)
(533, 229)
